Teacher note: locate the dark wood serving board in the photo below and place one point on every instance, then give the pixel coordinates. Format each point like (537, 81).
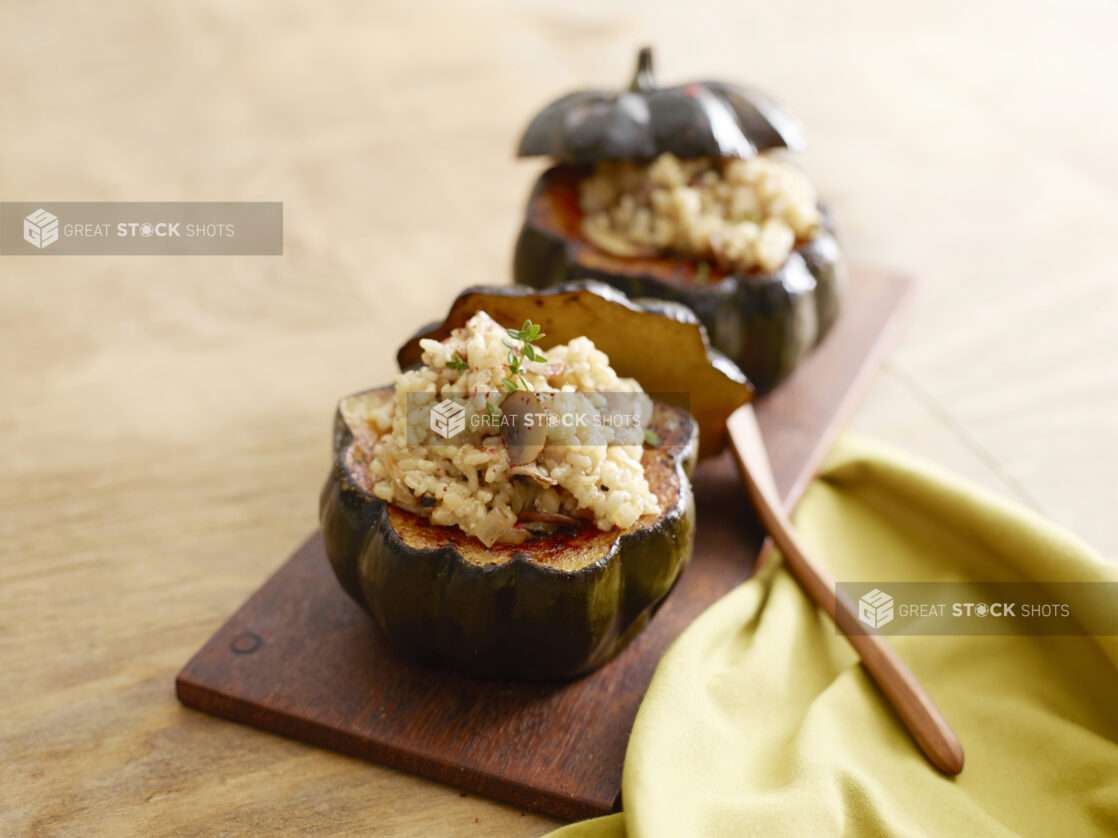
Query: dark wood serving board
(301, 659)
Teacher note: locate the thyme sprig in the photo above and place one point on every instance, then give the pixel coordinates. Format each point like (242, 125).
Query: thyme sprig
(458, 363)
(526, 335)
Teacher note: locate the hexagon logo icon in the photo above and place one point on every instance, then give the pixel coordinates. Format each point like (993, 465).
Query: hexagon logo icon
(875, 609)
(40, 228)
(448, 418)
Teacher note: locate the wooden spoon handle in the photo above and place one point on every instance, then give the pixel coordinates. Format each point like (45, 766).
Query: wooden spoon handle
(897, 683)
(895, 680)
(917, 711)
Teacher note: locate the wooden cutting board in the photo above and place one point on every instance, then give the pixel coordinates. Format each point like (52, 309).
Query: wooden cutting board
(301, 659)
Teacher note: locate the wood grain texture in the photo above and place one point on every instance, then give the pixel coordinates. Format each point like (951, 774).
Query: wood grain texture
(301, 659)
(161, 420)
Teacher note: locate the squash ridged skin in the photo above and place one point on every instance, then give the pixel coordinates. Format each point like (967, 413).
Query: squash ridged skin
(519, 620)
(765, 323)
(696, 119)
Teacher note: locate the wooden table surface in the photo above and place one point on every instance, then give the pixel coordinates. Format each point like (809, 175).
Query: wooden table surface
(164, 422)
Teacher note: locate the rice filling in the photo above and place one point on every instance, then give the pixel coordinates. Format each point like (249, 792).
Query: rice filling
(740, 214)
(585, 471)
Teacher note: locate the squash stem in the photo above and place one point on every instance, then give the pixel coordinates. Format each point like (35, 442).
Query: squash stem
(644, 79)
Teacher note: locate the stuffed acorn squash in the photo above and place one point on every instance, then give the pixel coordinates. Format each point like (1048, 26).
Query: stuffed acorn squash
(680, 193)
(512, 507)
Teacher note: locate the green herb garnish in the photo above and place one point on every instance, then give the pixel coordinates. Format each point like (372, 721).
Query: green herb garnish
(457, 363)
(526, 334)
(651, 437)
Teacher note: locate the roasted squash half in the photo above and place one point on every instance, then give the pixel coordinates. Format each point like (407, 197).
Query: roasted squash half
(558, 605)
(765, 322)
(554, 607)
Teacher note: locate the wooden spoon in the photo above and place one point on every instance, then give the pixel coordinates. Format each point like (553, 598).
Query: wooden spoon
(901, 689)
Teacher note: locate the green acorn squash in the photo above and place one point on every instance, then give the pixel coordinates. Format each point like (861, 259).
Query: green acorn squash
(554, 607)
(559, 605)
(765, 322)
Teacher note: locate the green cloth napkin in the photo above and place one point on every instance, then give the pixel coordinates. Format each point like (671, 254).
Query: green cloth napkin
(760, 721)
